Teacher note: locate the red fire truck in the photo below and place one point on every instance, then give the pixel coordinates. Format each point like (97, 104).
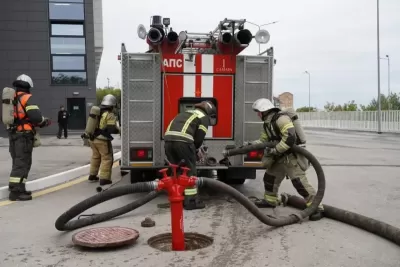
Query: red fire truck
(180, 70)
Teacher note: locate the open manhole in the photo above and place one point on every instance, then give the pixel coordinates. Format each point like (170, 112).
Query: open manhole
(193, 241)
(105, 237)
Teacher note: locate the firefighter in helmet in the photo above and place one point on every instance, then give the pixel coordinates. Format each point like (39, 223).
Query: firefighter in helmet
(27, 116)
(102, 150)
(277, 161)
(184, 135)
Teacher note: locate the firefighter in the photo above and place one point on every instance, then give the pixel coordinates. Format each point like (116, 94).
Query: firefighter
(278, 162)
(185, 134)
(100, 142)
(27, 116)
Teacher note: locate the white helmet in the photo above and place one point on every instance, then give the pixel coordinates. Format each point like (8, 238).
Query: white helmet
(262, 105)
(23, 81)
(109, 100)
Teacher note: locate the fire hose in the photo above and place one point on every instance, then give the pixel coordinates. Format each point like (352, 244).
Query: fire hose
(64, 223)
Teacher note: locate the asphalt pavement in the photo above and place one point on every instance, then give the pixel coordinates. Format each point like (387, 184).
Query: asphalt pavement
(53, 156)
(362, 173)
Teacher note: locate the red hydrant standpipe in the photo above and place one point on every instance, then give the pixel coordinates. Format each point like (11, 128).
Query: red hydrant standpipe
(175, 186)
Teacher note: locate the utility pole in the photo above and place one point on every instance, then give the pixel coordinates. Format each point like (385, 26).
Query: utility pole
(388, 95)
(309, 92)
(379, 69)
(108, 82)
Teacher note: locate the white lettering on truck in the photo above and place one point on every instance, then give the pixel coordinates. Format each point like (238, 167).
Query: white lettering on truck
(173, 63)
(224, 69)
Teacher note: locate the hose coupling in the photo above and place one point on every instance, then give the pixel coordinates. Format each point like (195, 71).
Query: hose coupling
(199, 182)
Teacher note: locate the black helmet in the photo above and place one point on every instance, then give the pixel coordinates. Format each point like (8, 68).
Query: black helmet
(209, 108)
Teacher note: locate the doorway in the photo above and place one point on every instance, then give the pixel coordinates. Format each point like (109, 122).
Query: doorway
(77, 113)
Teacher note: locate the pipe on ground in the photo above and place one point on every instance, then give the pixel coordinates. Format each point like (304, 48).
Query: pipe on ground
(376, 227)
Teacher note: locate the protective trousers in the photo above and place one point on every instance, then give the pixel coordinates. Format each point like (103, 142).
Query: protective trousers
(21, 147)
(278, 170)
(102, 158)
(176, 151)
(62, 127)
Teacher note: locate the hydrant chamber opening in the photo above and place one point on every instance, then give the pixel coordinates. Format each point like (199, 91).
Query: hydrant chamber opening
(193, 241)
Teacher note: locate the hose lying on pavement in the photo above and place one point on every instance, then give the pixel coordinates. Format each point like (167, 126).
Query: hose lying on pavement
(63, 223)
(368, 224)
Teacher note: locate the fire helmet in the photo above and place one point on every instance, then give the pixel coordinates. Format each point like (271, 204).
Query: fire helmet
(109, 100)
(23, 81)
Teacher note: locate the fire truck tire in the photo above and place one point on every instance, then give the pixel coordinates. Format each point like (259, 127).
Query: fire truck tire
(138, 176)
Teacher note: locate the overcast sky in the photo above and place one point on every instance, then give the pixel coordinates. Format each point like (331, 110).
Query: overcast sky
(335, 40)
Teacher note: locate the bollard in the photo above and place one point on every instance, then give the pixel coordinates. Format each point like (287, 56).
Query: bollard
(175, 187)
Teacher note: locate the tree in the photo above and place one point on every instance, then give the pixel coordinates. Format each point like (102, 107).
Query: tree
(306, 109)
(393, 101)
(349, 106)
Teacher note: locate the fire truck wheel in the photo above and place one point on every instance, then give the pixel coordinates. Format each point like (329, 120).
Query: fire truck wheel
(142, 176)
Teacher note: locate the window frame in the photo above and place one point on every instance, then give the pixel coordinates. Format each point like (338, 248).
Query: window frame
(69, 55)
(68, 22)
(68, 84)
(78, 23)
(66, 19)
(69, 37)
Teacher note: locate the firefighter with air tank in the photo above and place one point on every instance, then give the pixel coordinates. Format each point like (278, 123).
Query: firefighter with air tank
(102, 122)
(21, 115)
(284, 128)
(184, 135)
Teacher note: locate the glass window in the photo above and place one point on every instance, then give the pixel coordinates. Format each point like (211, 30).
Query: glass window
(74, 1)
(78, 78)
(67, 29)
(68, 63)
(61, 45)
(66, 11)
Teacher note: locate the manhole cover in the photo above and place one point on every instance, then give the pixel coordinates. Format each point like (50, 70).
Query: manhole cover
(105, 237)
(193, 241)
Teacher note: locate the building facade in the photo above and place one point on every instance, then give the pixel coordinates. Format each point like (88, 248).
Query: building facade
(286, 100)
(59, 44)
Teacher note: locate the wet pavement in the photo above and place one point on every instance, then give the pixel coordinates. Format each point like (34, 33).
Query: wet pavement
(54, 156)
(362, 176)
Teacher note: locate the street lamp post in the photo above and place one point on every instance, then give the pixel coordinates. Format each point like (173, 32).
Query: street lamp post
(259, 28)
(309, 92)
(379, 69)
(388, 95)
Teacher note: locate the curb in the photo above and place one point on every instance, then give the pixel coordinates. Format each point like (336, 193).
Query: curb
(55, 179)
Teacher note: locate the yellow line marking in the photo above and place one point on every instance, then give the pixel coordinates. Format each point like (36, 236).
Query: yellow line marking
(54, 188)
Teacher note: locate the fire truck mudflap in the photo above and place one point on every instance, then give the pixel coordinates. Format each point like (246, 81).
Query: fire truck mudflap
(177, 73)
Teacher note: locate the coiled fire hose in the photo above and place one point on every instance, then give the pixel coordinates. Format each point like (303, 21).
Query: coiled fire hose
(64, 223)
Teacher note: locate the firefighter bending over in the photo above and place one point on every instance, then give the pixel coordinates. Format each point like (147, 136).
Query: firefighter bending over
(279, 126)
(184, 135)
(103, 122)
(21, 115)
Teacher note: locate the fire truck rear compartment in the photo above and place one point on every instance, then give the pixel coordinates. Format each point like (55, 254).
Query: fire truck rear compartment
(143, 116)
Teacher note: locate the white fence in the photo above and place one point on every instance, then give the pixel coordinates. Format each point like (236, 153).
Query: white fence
(352, 120)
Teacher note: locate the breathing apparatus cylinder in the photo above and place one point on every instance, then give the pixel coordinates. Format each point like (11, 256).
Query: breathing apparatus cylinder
(8, 106)
(91, 124)
(301, 136)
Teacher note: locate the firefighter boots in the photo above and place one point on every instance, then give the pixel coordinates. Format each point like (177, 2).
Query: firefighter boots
(18, 193)
(105, 182)
(93, 178)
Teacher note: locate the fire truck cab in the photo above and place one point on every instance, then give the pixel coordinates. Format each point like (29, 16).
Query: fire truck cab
(180, 70)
